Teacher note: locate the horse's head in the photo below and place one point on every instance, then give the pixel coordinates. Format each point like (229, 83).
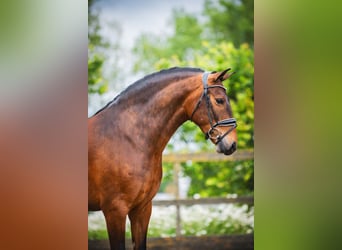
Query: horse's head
(212, 112)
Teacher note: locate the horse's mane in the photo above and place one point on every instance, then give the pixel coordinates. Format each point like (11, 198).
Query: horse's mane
(161, 78)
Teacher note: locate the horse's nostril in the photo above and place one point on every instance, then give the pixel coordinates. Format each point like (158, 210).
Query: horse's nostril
(234, 145)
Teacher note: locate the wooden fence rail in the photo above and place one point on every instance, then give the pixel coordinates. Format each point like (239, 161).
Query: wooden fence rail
(249, 200)
(244, 154)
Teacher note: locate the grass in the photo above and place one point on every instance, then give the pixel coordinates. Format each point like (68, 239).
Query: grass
(99, 234)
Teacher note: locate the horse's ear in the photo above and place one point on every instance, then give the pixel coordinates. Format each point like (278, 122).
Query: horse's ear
(223, 75)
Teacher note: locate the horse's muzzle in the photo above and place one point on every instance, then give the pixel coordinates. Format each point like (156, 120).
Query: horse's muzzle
(225, 148)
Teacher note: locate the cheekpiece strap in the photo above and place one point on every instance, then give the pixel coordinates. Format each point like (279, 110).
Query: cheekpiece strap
(205, 82)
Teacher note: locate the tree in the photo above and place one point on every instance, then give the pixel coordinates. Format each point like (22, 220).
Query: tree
(225, 21)
(182, 43)
(230, 20)
(96, 57)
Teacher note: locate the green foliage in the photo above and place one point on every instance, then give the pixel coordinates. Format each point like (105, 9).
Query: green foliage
(230, 20)
(216, 221)
(155, 230)
(167, 176)
(220, 178)
(179, 43)
(150, 48)
(96, 84)
(96, 57)
(225, 21)
(98, 234)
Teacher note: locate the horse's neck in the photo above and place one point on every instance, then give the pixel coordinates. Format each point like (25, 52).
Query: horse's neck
(152, 123)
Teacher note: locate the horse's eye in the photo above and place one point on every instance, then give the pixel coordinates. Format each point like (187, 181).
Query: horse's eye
(219, 100)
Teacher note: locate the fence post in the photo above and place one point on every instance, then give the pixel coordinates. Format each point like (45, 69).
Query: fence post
(176, 170)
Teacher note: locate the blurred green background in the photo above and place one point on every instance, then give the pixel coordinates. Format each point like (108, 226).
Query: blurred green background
(298, 120)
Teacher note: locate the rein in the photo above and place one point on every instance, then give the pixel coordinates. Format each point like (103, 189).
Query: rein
(213, 132)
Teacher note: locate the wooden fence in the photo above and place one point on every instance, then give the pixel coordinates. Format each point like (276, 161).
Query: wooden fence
(245, 154)
(177, 159)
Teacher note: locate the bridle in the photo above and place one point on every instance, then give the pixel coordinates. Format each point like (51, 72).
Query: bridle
(213, 133)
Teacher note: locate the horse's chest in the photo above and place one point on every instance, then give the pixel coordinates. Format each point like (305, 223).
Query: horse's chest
(149, 183)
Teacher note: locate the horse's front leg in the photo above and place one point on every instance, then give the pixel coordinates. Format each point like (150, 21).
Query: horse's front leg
(140, 217)
(116, 225)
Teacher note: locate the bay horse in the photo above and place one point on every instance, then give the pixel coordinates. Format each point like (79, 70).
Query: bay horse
(126, 139)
